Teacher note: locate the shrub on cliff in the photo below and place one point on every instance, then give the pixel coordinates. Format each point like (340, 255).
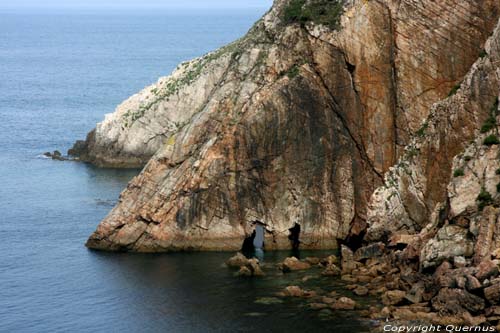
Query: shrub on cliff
(489, 124)
(491, 140)
(484, 198)
(326, 12)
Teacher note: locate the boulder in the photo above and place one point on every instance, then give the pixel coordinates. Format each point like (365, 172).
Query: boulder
(487, 269)
(416, 293)
(344, 303)
(348, 278)
(361, 291)
(237, 260)
(371, 251)
(294, 264)
(459, 262)
(294, 291)
(456, 301)
(393, 297)
(472, 283)
(331, 270)
(364, 278)
(492, 293)
(347, 256)
(450, 241)
(492, 311)
(331, 259)
(254, 266)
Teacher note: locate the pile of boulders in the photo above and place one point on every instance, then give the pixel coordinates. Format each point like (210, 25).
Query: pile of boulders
(455, 293)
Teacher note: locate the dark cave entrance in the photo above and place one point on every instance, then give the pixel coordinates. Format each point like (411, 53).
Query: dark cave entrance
(256, 240)
(294, 236)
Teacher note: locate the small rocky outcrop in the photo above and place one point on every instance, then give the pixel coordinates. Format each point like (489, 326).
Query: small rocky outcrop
(294, 264)
(247, 267)
(237, 260)
(56, 155)
(344, 303)
(251, 268)
(296, 291)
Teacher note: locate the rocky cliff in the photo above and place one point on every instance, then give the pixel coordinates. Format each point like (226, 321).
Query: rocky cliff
(297, 122)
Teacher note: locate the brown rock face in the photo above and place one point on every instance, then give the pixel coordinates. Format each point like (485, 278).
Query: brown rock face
(289, 124)
(415, 191)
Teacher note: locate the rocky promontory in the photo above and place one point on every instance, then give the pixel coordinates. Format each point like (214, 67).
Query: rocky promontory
(297, 122)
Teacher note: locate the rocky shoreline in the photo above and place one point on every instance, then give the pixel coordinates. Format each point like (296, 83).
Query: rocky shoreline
(453, 295)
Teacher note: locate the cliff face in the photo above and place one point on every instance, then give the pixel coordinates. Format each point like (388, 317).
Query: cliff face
(297, 123)
(416, 187)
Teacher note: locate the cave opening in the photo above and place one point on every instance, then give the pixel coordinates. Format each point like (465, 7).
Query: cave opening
(255, 242)
(294, 236)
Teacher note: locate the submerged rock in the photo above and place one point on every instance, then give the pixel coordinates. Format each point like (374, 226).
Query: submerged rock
(268, 300)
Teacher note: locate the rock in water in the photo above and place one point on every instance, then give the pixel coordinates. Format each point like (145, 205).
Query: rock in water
(237, 260)
(294, 264)
(287, 117)
(344, 303)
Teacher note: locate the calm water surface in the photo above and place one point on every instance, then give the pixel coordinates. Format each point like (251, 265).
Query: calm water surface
(60, 72)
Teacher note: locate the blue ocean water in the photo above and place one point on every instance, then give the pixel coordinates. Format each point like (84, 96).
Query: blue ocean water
(60, 72)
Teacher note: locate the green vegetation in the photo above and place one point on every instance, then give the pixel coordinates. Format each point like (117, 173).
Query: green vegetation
(489, 124)
(467, 158)
(497, 171)
(326, 12)
(421, 131)
(484, 199)
(498, 187)
(491, 140)
(458, 173)
(483, 53)
(454, 90)
(494, 107)
(293, 71)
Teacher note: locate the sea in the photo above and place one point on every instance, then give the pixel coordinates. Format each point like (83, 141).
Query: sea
(61, 71)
